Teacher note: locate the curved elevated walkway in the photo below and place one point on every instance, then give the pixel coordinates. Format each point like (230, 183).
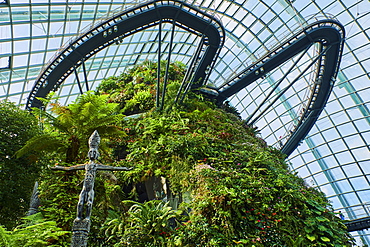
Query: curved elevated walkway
(122, 25)
(358, 224)
(329, 35)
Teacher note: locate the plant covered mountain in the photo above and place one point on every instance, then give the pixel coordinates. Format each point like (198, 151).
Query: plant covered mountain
(201, 176)
(234, 190)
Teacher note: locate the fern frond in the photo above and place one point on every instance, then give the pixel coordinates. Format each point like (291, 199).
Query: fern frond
(4, 236)
(44, 142)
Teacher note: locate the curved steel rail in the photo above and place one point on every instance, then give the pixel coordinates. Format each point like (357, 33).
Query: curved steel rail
(329, 34)
(358, 224)
(122, 25)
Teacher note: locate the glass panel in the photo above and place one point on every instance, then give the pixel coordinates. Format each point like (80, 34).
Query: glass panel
(352, 198)
(359, 183)
(328, 190)
(354, 141)
(346, 129)
(344, 157)
(361, 154)
(344, 185)
(337, 173)
(352, 170)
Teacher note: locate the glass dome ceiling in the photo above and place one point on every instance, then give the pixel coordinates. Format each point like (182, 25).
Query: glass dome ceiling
(334, 156)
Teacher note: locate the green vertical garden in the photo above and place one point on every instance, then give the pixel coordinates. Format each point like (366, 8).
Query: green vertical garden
(201, 176)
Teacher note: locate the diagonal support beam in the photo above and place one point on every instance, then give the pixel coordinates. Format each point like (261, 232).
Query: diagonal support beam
(78, 79)
(85, 74)
(290, 85)
(168, 60)
(189, 72)
(277, 85)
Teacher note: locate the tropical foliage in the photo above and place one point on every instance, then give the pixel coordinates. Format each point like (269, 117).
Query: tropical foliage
(67, 128)
(147, 222)
(201, 176)
(241, 191)
(64, 142)
(135, 90)
(17, 175)
(34, 231)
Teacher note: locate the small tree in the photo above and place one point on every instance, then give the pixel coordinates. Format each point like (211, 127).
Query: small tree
(64, 139)
(67, 128)
(17, 175)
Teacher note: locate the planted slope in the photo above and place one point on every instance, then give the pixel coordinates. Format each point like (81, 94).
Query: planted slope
(241, 190)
